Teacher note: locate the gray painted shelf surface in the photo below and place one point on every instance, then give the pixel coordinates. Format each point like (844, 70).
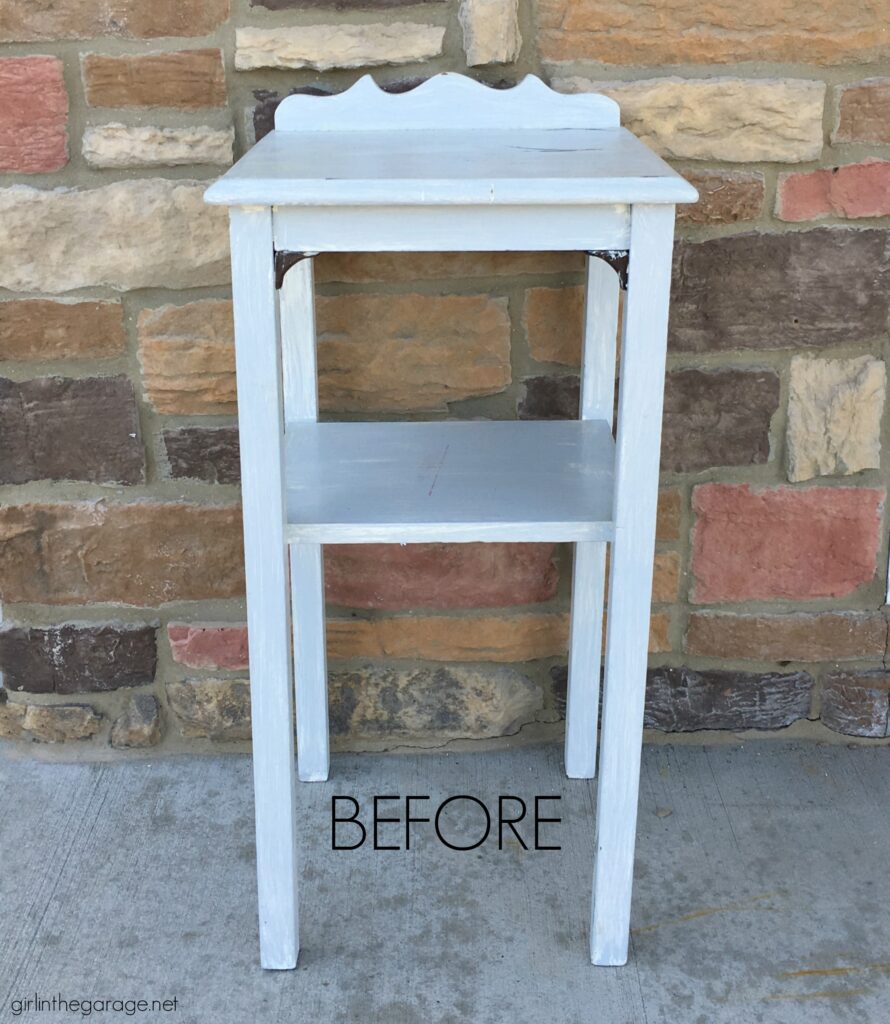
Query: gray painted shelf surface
(401, 482)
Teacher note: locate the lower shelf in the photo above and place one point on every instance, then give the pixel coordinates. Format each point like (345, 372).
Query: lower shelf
(452, 481)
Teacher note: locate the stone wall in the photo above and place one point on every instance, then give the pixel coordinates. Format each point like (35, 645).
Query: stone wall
(120, 548)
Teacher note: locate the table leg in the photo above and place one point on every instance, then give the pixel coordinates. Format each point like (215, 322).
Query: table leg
(640, 401)
(310, 661)
(585, 656)
(589, 570)
(300, 373)
(261, 430)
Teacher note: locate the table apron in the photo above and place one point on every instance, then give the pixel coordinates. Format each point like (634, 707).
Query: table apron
(406, 228)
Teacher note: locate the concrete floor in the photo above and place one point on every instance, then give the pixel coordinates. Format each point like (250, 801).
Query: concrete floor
(761, 893)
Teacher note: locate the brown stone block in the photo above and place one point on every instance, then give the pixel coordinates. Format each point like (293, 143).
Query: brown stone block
(186, 79)
(683, 700)
(337, 5)
(365, 268)
(667, 527)
(797, 636)
(211, 454)
(188, 357)
(864, 112)
(550, 398)
(717, 418)
(55, 428)
(144, 554)
(399, 577)
(72, 658)
(857, 703)
(725, 197)
(711, 417)
(504, 638)
(42, 329)
(705, 32)
(804, 289)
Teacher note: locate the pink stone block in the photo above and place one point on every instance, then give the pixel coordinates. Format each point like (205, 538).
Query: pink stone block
(33, 115)
(209, 646)
(852, 191)
(781, 542)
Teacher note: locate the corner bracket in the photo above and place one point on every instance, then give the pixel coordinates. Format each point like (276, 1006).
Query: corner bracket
(284, 260)
(617, 259)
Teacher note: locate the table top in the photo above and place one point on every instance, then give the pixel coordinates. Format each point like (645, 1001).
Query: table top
(449, 141)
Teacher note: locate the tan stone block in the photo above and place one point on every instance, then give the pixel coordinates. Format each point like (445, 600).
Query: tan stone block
(185, 79)
(445, 348)
(119, 145)
(430, 704)
(145, 233)
(143, 554)
(491, 31)
(553, 319)
(659, 628)
(12, 718)
(188, 357)
(505, 638)
(667, 526)
(46, 330)
(666, 577)
(710, 32)
(56, 723)
(217, 709)
(336, 46)
(97, 19)
(835, 407)
(140, 723)
(388, 353)
(734, 119)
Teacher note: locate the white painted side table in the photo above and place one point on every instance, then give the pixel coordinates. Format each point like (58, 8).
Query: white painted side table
(450, 166)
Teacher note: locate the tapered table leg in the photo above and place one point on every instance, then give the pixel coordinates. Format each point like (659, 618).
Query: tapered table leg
(638, 440)
(261, 430)
(589, 570)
